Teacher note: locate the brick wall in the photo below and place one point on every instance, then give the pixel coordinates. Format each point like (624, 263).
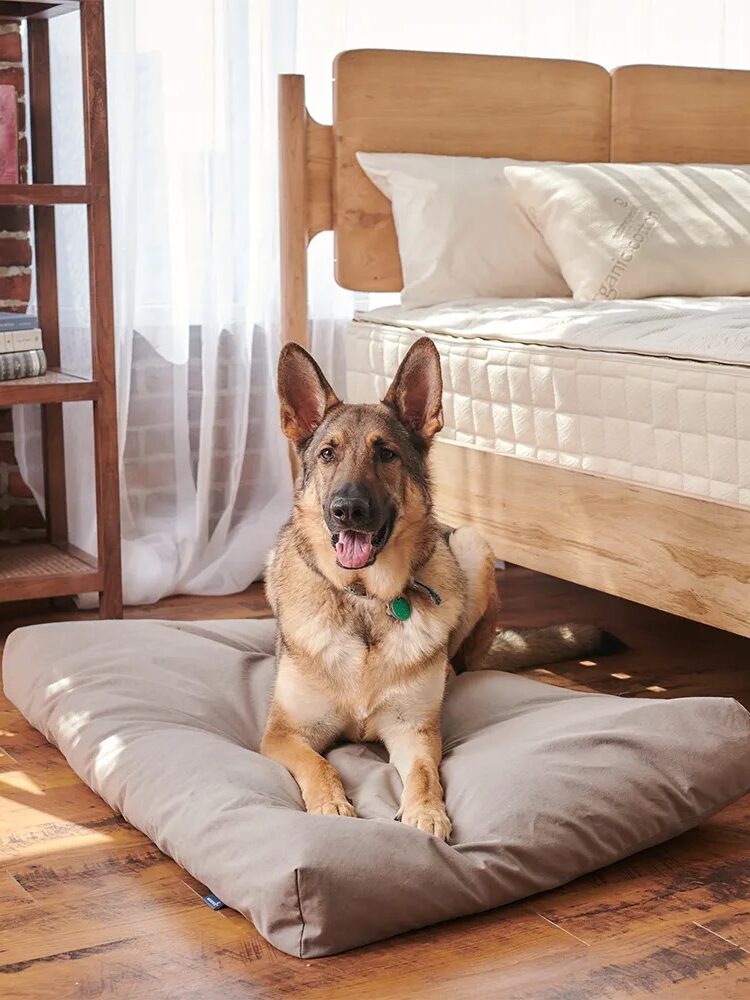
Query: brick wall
(157, 385)
(19, 515)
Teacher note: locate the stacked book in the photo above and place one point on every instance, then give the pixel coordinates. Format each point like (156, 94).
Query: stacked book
(21, 351)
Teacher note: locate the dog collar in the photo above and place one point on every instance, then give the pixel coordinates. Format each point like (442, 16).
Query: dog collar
(400, 607)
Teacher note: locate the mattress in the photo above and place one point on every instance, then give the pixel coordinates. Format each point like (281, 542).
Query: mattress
(654, 391)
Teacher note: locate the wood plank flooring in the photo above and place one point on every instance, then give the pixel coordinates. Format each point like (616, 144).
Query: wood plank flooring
(90, 908)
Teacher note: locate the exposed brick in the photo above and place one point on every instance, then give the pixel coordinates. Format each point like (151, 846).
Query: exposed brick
(161, 504)
(15, 252)
(224, 437)
(14, 218)
(16, 486)
(157, 378)
(15, 287)
(222, 467)
(26, 516)
(7, 452)
(158, 441)
(133, 445)
(195, 375)
(6, 417)
(12, 75)
(149, 474)
(10, 47)
(153, 411)
(136, 505)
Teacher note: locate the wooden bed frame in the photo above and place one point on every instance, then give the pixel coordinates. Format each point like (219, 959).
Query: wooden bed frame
(678, 553)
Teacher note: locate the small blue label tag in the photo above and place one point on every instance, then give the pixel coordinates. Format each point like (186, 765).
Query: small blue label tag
(214, 902)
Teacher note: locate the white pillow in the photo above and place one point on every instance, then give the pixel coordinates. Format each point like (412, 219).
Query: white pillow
(460, 233)
(630, 230)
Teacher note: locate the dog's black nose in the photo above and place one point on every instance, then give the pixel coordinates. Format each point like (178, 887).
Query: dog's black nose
(350, 507)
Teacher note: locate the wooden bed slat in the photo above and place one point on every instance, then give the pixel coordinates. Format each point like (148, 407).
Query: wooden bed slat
(676, 553)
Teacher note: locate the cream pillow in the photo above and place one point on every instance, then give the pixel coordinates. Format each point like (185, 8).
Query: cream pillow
(460, 233)
(627, 231)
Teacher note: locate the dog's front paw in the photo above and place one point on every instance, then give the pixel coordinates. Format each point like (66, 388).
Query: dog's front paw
(332, 807)
(428, 819)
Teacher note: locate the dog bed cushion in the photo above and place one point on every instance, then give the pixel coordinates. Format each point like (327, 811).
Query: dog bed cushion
(163, 720)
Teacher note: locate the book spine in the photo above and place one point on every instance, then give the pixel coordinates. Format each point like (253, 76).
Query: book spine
(21, 340)
(8, 134)
(10, 322)
(22, 364)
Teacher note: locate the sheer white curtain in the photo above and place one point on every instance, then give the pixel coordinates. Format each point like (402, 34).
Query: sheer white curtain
(192, 87)
(205, 475)
(609, 32)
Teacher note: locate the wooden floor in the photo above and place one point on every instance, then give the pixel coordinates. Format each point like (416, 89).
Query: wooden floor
(90, 908)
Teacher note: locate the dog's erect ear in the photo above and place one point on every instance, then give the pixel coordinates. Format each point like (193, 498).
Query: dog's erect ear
(304, 393)
(416, 392)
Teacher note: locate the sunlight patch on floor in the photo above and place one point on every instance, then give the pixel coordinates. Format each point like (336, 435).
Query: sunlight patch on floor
(4, 755)
(20, 781)
(30, 844)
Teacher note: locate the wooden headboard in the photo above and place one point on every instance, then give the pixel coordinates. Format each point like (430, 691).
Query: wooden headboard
(460, 105)
(431, 102)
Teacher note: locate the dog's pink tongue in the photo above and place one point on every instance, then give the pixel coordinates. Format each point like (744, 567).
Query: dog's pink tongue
(353, 549)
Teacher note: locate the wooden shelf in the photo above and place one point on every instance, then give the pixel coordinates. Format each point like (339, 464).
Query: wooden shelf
(37, 8)
(44, 194)
(39, 569)
(54, 387)
(53, 568)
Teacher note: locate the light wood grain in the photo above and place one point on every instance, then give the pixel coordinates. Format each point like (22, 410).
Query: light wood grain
(678, 114)
(319, 177)
(462, 105)
(676, 553)
(293, 218)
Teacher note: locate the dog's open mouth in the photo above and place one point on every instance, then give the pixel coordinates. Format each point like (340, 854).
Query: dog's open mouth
(357, 549)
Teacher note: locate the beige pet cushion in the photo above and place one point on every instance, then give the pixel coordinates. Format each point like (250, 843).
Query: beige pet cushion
(163, 720)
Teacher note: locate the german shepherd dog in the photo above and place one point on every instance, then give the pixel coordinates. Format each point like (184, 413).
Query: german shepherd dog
(375, 601)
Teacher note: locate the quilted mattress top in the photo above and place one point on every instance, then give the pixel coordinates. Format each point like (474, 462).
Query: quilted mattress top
(696, 329)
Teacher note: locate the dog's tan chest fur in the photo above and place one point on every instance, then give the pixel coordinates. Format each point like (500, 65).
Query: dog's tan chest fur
(345, 664)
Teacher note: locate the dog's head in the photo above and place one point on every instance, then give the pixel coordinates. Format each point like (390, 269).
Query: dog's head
(362, 465)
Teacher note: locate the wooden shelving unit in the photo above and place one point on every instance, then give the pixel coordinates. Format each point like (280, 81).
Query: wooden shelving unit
(55, 568)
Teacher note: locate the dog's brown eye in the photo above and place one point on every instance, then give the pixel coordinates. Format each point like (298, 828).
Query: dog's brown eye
(327, 455)
(386, 455)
